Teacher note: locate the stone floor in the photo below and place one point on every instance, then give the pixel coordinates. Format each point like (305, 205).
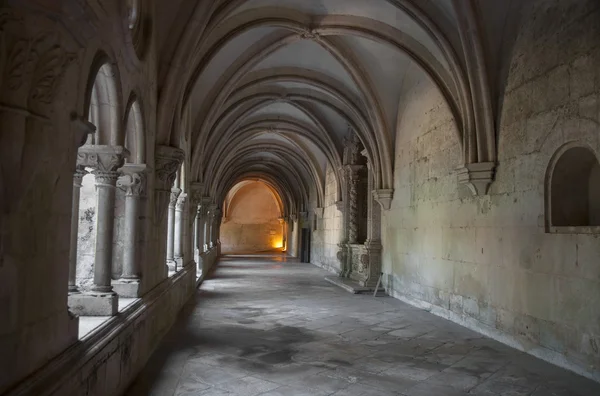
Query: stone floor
(271, 327)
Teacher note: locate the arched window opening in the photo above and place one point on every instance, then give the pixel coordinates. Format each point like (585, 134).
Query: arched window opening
(573, 191)
(93, 207)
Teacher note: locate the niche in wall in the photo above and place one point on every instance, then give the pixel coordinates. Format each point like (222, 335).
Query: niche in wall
(573, 191)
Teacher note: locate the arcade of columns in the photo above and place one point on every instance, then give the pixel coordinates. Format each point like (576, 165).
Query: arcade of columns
(107, 165)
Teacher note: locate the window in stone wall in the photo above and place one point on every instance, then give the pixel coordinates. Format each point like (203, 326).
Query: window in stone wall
(573, 191)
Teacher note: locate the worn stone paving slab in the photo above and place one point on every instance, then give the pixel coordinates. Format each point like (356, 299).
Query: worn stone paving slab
(271, 326)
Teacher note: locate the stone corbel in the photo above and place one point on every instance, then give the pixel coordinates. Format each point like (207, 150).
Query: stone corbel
(133, 179)
(83, 129)
(167, 162)
(339, 205)
(319, 212)
(384, 197)
(477, 177)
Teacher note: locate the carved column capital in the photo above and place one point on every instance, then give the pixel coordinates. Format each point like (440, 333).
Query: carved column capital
(339, 205)
(78, 176)
(195, 193)
(384, 197)
(175, 192)
(133, 179)
(319, 212)
(101, 158)
(167, 161)
(477, 177)
(180, 204)
(104, 178)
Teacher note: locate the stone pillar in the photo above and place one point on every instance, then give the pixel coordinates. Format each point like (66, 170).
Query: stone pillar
(133, 181)
(212, 209)
(172, 265)
(167, 162)
(77, 179)
(178, 230)
(101, 300)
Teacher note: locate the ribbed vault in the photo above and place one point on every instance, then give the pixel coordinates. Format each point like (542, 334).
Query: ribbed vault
(274, 88)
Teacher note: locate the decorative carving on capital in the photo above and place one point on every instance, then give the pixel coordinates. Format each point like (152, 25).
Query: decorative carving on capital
(133, 179)
(104, 178)
(78, 176)
(101, 158)
(175, 192)
(384, 198)
(180, 204)
(293, 217)
(339, 205)
(477, 177)
(167, 161)
(195, 195)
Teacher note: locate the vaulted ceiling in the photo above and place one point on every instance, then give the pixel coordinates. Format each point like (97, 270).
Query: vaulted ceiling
(270, 88)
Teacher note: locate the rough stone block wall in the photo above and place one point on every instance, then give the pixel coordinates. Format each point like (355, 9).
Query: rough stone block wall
(487, 262)
(327, 236)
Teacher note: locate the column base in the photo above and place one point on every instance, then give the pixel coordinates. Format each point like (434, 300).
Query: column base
(171, 265)
(127, 287)
(94, 304)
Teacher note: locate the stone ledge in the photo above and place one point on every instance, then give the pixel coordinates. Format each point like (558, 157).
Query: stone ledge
(90, 355)
(94, 304)
(127, 287)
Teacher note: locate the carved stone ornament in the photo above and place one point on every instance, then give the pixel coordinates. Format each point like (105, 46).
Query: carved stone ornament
(363, 262)
(384, 198)
(101, 158)
(180, 204)
(175, 192)
(319, 212)
(33, 64)
(83, 128)
(167, 161)
(133, 179)
(339, 205)
(477, 177)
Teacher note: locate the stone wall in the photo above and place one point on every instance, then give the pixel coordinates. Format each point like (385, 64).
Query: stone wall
(487, 262)
(252, 221)
(325, 239)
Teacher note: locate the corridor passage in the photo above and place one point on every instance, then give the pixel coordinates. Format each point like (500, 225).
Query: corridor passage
(272, 326)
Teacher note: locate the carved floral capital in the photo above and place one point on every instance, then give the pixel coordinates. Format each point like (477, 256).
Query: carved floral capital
(133, 179)
(167, 161)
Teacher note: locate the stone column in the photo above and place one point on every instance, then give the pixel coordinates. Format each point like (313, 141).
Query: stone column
(178, 230)
(133, 181)
(167, 162)
(77, 179)
(175, 192)
(101, 300)
(211, 224)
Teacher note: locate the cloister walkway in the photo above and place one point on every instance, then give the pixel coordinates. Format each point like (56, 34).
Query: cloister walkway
(272, 326)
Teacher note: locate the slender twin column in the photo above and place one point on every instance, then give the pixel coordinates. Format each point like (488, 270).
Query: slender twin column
(178, 237)
(77, 179)
(133, 182)
(168, 161)
(175, 192)
(105, 162)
